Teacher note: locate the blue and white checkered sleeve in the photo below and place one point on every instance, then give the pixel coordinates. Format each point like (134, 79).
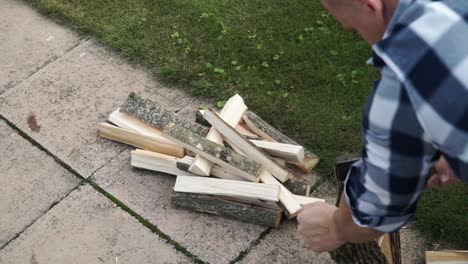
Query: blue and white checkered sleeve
(383, 188)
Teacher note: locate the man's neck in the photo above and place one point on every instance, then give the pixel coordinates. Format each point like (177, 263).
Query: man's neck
(390, 8)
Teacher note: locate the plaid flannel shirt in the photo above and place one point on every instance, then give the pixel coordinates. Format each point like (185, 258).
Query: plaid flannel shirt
(415, 113)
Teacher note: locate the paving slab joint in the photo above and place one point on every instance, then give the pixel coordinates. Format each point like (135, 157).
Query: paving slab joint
(245, 252)
(91, 176)
(40, 147)
(40, 216)
(147, 224)
(119, 203)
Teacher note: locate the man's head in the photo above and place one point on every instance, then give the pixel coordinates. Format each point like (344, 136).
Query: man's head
(369, 18)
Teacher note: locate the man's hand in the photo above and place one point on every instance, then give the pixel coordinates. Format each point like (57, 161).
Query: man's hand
(443, 176)
(316, 225)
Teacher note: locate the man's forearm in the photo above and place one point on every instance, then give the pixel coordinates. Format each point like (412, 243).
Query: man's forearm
(348, 230)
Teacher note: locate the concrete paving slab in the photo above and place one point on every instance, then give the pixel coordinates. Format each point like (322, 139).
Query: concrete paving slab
(281, 246)
(211, 238)
(86, 227)
(28, 41)
(30, 182)
(70, 96)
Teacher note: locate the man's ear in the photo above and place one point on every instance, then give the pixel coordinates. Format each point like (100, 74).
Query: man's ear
(377, 7)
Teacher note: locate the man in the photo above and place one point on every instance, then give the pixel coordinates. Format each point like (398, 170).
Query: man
(416, 114)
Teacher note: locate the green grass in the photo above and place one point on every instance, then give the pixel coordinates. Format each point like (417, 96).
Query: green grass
(443, 215)
(289, 60)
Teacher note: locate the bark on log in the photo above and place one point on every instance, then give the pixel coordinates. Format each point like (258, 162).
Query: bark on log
(245, 146)
(231, 113)
(225, 157)
(362, 253)
(298, 187)
(153, 114)
(216, 171)
(229, 209)
(161, 145)
(310, 158)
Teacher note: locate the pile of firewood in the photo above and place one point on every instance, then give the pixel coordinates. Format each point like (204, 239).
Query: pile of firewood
(247, 158)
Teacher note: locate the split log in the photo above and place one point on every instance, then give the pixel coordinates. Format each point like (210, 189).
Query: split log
(280, 162)
(308, 164)
(305, 200)
(216, 171)
(447, 256)
(269, 133)
(228, 159)
(136, 125)
(251, 125)
(239, 127)
(149, 160)
(386, 242)
(231, 113)
(246, 146)
(261, 203)
(230, 209)
(288, 152)
(184, 163)
(154, 115)
(245, 132)
(291, 205)
(140, 141)
(221, 173)
(220, 187)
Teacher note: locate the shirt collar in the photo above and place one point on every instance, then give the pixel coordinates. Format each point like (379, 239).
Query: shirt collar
(401, 8)
(375, 60)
